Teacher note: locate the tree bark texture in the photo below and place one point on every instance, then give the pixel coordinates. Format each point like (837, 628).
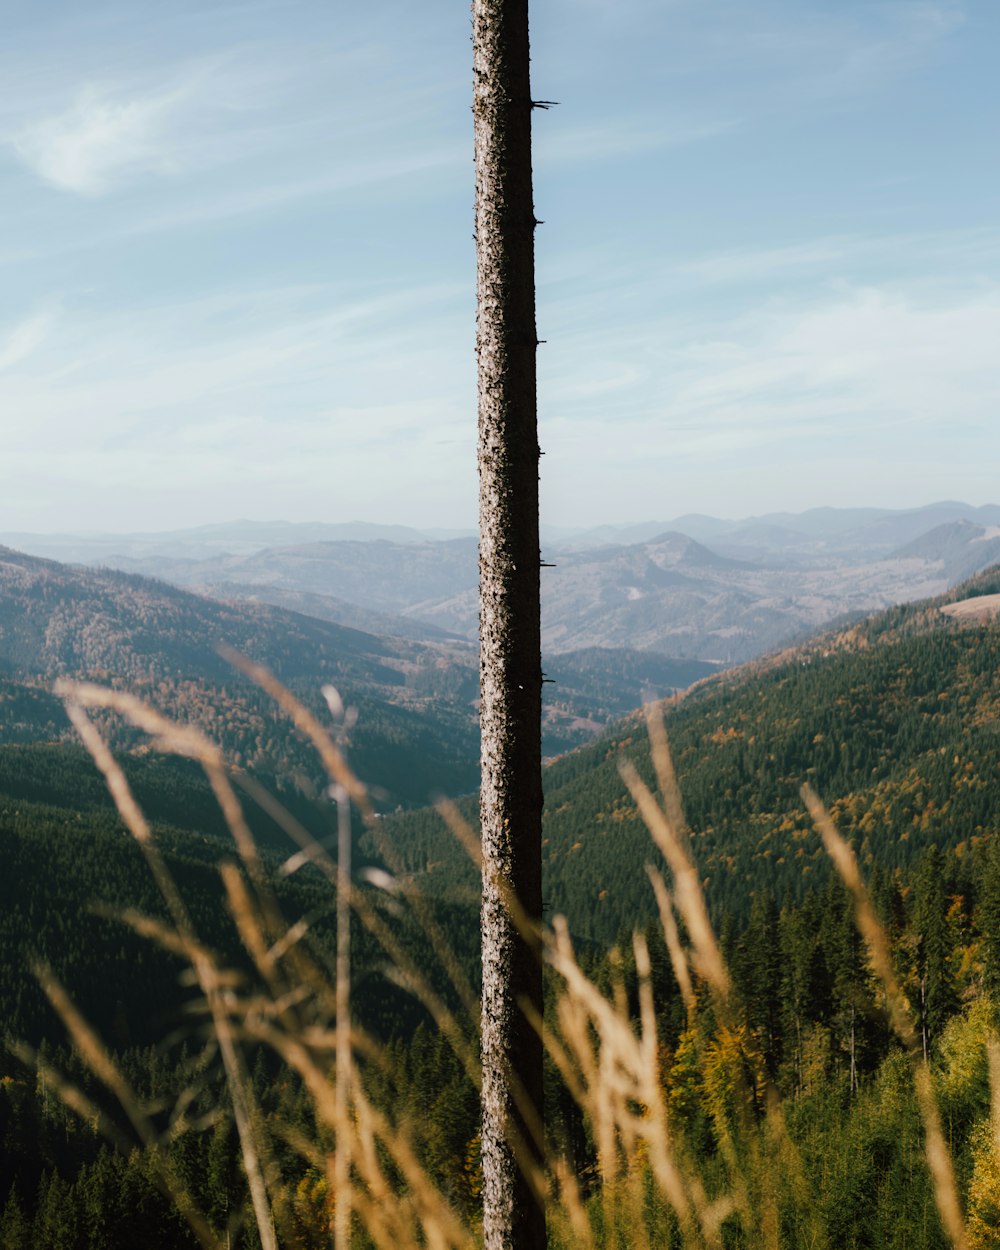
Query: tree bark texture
(510, 666)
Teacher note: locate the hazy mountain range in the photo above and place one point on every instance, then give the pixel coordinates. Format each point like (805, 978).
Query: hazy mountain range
(695, 588)
(857, 531)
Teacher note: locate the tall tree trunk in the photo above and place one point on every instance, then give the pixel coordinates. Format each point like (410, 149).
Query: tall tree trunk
(510, 666)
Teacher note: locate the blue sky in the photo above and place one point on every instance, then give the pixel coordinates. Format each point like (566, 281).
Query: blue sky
(237, 271)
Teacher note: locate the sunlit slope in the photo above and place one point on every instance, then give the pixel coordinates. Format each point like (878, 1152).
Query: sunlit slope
(896, 722)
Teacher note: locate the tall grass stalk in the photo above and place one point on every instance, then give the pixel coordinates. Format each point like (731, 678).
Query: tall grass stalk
(650, 1187)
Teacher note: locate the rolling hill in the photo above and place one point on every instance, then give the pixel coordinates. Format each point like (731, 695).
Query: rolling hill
(417, 733)
(416, 729)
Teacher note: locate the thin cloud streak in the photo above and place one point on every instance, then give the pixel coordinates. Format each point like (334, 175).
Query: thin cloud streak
(256, 199)
(25, 338)
(283, 361)
(877, 370)
(941, 252)
(628, 136)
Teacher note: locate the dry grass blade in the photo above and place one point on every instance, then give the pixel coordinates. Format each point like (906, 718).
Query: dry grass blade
(663, 765)
(304, 720)
(189, 742)
(417, 1214)
(939, 1159)
(420, 907)
(266, 801)
(341, 775)
(687, 886)
(614, 1072)
(250, 927)
(104, 1068)
(672, 937)
(146, 926)
(167, 736)
(179, 739)
(244, 1111)
(567, 1189)
(346, 786)
(993, 1055)
(73, 1096)
(132, 816)
(344, 1061)
(938, 1156)
(846, 864)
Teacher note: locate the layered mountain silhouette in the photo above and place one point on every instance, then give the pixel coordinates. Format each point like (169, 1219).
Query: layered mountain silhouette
(698, 588)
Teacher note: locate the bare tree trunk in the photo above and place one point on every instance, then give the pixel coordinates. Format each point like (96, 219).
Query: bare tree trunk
(510, 667)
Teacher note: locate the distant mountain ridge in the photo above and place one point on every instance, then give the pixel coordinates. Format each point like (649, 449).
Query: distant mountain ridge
(675, 596)
(202, 541)
(961, 547)
(842, 529)
(700, 588)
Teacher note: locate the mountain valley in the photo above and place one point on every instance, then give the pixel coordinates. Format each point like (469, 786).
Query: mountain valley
(892, 717)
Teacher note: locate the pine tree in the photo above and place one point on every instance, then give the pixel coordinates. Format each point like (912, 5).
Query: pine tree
(989, 918)
(937, 999)
(15, 1227)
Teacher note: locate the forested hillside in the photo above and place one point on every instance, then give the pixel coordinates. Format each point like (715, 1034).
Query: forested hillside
(416, 734)
(417, 731)
(70, 874)
(806, 1022)
(893, 721)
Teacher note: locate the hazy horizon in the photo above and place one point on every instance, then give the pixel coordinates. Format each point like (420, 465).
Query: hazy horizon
(264, 522)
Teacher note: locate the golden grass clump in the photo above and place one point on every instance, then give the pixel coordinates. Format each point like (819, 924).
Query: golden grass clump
(650, 1187)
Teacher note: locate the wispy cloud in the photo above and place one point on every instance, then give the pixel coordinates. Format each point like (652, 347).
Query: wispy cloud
(870, 366)
(774, 263)
(101, 139)
(941, 253)
(766, 57)
(271, 368)
(845, 48)
(901, 38)
(863, 394)
(26, 336)
(624, 137)
(310, 397)
(419, 170)
(164, 120)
